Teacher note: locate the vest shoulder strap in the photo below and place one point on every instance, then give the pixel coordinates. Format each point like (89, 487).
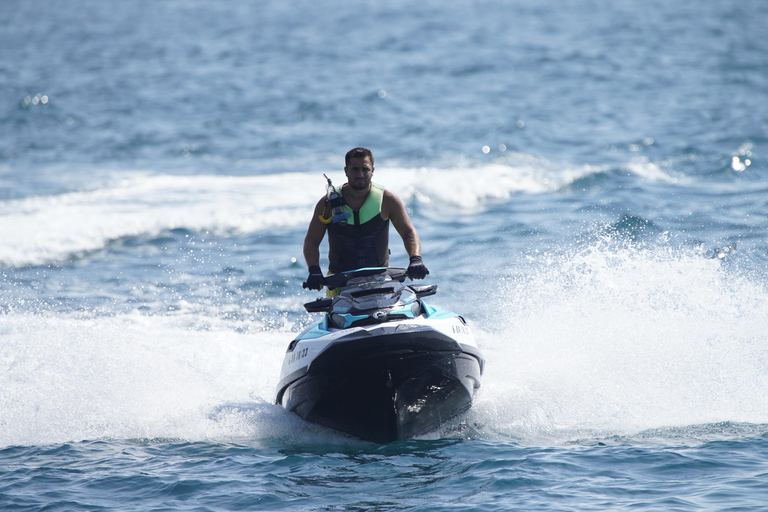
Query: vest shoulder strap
(371, 207)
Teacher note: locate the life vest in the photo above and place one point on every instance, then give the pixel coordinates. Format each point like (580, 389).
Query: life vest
(364, 240)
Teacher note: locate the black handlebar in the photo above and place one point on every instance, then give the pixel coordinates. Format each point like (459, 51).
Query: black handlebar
(339, 280)
(305, 285)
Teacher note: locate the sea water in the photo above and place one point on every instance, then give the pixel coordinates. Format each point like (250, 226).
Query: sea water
(588, 179)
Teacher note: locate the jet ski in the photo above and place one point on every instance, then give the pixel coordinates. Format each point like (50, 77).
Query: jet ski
(381, 364)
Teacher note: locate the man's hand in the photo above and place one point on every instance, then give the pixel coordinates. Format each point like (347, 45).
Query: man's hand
(416, 268)
(315, 281)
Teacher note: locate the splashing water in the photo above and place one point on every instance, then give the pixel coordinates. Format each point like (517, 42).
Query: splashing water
(613, 341)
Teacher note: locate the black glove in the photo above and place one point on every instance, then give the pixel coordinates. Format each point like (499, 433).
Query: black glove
(416, 268)
(315, 281)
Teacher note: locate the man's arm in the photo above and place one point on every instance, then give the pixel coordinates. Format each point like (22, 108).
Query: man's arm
(315, 234)
(392, 208)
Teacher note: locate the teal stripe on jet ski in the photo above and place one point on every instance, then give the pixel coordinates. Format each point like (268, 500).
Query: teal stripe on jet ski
(317, 331)
(438, 313)
(350, 319)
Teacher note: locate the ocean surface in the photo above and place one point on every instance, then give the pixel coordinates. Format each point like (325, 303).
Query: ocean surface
(589, 180)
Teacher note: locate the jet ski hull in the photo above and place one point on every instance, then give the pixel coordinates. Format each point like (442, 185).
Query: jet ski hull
(383, 385)
(382, 364)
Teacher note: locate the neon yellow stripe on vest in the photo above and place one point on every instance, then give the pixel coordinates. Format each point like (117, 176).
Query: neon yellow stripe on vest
(371, 207)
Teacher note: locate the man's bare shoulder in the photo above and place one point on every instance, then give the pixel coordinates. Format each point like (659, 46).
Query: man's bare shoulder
(390, 197)
(392, 206)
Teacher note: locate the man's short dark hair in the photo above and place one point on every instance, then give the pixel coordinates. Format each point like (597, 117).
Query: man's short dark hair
(358, 153)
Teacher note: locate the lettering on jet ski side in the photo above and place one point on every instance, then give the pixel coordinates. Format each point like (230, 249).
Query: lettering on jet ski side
(460, 329)
(299, 354)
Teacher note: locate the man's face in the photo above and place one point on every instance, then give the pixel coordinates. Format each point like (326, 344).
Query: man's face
(359, 172)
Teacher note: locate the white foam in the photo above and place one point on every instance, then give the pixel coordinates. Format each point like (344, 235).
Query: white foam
(133, 376)
(472, 188)
(49, 229)
(601, 342)
(651, 171)
(608, 342)
(46, 229)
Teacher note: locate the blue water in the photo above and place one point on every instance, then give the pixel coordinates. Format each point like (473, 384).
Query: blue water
(588, 179)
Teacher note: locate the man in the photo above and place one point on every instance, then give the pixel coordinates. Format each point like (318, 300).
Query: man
(363, 241)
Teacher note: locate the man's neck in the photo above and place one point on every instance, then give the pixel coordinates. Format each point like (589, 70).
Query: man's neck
(355, 198)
